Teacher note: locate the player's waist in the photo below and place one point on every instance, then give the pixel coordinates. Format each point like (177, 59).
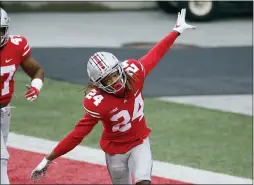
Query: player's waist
(122, 146)
(5, 100)
(2, 105)
(128, 136)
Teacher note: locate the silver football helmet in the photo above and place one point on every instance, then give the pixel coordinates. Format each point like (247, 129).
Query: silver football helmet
(102, 64)
(4, 27)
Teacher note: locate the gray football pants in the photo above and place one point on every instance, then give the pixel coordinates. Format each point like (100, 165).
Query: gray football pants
(5, 126)
(138, 161)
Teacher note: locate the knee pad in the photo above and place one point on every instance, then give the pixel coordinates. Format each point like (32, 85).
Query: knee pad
(120, 175)
(118, 171)
(4, 175)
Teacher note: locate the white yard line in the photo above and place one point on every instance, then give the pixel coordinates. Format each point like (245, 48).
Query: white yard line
(96, 156)
(230, 103)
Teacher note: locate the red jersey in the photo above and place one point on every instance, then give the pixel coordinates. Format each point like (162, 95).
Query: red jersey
(12, 54)
(122, 118)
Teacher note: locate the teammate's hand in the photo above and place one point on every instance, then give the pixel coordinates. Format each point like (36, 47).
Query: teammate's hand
(181, 25)
(39, 170)
(32, 93)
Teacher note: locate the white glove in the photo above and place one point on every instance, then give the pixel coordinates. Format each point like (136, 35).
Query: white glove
(41, 168)
(181, 25)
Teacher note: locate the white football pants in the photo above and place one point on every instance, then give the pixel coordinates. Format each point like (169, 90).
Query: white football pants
(5, 125)
(138, 161)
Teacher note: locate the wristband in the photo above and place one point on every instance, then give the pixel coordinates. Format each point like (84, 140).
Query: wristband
(37, 83)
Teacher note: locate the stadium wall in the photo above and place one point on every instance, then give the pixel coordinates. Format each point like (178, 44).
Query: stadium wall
(195, 71)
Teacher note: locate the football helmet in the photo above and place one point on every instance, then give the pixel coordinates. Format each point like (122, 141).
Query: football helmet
(4, 27)
(102, 64)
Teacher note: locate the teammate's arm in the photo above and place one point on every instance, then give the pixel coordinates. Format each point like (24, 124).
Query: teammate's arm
(154, 55)
(32, 68)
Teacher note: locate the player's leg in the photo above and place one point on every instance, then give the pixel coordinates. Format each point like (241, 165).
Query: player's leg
(5, 122)
(141, 163)
(4, 173)
(5, 125)
(118, 168)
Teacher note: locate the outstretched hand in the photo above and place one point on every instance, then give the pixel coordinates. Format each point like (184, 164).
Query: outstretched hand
(181, 25)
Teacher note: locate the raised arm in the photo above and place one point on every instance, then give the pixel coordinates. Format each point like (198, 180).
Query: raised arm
(154, 55)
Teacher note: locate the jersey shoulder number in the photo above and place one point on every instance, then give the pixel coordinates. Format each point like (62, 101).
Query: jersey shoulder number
(22, 44)
(93, 103)
(132, 66)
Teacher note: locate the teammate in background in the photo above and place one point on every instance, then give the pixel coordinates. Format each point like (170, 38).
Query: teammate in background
(114, 97)
(14, 52)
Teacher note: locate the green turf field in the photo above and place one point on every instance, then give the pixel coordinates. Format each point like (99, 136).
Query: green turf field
(181, 134)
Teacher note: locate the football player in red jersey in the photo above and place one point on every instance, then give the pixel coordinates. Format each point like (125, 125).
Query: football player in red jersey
(14, 52)
(114, 97)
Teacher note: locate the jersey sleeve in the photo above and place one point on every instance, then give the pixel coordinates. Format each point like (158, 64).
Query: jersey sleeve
(75, 137)
(155, 54)
(25, 49)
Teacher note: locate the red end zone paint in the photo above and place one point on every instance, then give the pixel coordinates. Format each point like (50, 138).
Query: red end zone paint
(66, 171)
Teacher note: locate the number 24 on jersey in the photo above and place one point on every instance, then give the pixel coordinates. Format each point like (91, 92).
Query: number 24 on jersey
(138, 112)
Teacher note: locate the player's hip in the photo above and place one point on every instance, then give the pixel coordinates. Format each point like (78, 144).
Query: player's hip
(134, 131)
(123, 144)
(5, 100)
(3, 105)
(4, 108)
